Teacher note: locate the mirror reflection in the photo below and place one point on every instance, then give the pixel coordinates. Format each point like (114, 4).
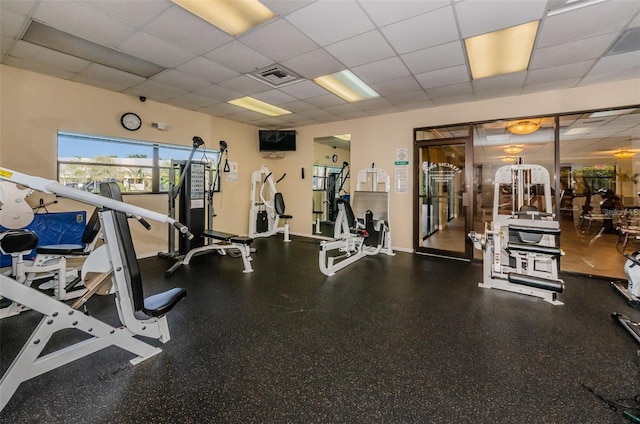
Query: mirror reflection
(331, 177)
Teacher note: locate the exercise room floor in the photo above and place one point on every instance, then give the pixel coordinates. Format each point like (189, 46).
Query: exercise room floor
(404, 339)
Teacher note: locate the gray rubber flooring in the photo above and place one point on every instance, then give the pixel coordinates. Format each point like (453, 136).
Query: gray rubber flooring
(403, 339)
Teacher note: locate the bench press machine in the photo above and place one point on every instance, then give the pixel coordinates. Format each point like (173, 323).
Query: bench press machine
(114, 262)
(355, 238)
(521, 249)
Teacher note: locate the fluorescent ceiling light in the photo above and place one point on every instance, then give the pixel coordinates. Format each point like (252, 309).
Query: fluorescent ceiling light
(346, 85)
(578, 131)
(62, 42)
(569, 5)
(606, 113)
(345, 137)
(259, 106)
(501, 52)
(233, 17)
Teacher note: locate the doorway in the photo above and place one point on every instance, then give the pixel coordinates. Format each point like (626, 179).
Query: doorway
(442, 204)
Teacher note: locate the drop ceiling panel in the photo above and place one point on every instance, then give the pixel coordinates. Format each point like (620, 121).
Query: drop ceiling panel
(480, 17)
(385, 12)
(572, 70)
(21, 7)
(552, 85)
(304, 90)
(382, 70)
(59, 61)
(610, 76)
(285, 7)
(116, 79)
(326, 100)
(206, 69)
(451, 93)
(245, 85)
(314, 64)
(275, 97)
(191, 101)
(239, 57)
(156, 91)
(11, 23)
(181, 80)
(37, 67)
(268, 41)
(396, 86)
(200, 38)
(575, 51)
(146, 46)
(438, 57)
(327, 22)
(447, 76)
(587, 22)
(361, 49)
(218, 93)
(426, 30)
(617, 62)
(134, 13)
(78, 19)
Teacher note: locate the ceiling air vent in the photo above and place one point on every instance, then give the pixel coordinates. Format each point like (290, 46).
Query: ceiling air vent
(276, 76)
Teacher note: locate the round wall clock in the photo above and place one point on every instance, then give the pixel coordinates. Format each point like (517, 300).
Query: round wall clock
(131, 121)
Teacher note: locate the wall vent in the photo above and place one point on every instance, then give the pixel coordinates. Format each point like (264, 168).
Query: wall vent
(276, 76)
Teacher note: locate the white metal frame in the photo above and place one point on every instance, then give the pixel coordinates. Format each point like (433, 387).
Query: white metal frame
(260, 201)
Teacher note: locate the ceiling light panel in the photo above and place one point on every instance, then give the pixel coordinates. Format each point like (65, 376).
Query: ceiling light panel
(501, 52)
(347, 86)
(62, 42)
(259, 106)
(233, 17)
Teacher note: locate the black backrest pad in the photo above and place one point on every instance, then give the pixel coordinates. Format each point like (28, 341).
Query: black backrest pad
(351, 218)
(278, 201)
(14, 241)
(127, 252)
(92, 229)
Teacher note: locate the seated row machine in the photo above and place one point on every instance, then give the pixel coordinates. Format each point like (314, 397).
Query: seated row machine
(521, 248)
(362, 230)
(111, 268)
(267, 206)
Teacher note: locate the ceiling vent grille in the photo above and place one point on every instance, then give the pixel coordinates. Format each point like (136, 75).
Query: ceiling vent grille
(276, 76)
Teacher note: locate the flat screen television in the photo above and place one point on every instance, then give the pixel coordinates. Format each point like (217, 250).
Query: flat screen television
(277, 140)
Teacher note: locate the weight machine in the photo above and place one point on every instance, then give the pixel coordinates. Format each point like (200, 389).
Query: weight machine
(521, 249)
(111, 268)
(195, 208)
(267, 209)
(362, 230)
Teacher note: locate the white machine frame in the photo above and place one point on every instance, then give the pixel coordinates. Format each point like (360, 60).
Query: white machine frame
(350, 242)
(104, 265)
(630, 288)
(261, 180)
(528, 265)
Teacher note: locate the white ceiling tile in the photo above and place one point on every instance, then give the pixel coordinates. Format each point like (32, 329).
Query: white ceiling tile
(114, 78)
(617, 62)
(239, 57)
(575, 51)
(438, 57)
(268, 40)
(304, 90)
(382, 70)
(5, 44)
(191, 101)
(399, 85)
(385, 12)
(11, 24)
(586, 22)
(245, 85)
(200, 38)
(314, 64)
(22, 7)
(442, 77)
(135, 13)
(155, 90)
(413, 96)
(373, 104)
(451, 93)
(181, 80)
(37, 67)
(343, 109)
(554, 85)
(220, 94)
(364, 48)
(274, 97)
(219, 109)
(426, 30)
(206, 69)
(78, 19)
(610, 76)
(327, 22)
(499, 86)
(284, 7)
(480, 17)
(297, 106)
(146, 46)
(326, 100)
(571, 70)
(59, 61)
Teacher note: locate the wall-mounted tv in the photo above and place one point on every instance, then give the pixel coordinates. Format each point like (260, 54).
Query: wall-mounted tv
(277, 140)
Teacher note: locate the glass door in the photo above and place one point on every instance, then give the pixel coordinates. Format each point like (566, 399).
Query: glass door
(442, 201)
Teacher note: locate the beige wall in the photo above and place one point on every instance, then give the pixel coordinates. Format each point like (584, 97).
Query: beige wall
(35, 107)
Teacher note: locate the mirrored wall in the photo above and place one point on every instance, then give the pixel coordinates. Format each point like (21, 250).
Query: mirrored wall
(331, 179)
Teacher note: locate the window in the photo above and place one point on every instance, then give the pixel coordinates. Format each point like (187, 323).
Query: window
(84, 161)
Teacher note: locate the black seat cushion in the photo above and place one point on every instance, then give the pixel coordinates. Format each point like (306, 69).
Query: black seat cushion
(161, 303)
